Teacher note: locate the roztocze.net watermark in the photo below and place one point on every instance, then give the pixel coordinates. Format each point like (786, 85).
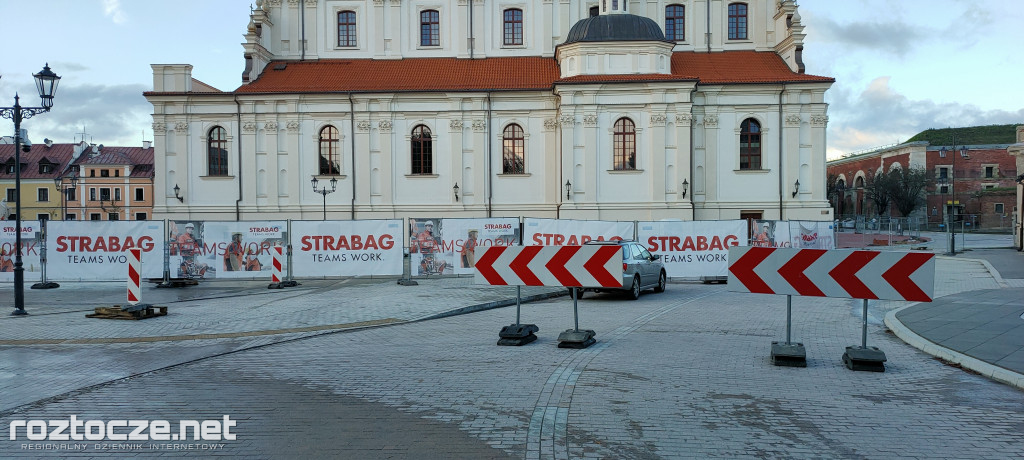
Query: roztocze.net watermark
(50, 432)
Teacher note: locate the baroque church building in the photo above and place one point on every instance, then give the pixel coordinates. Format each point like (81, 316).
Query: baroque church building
(575, 109)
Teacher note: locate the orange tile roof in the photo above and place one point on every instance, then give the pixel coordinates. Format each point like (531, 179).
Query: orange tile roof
(505, 74)
(419, 74)
(738, 67)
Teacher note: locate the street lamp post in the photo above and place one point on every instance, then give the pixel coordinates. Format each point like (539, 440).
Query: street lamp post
(46, 83)
(952, 189)
(324, 191)
(65, 191)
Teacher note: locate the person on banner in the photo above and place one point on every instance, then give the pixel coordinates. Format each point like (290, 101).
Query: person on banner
(762, 238)
(6, 264)
(188, 247)
(233, 253)
(469, 250)
(425, 241)
(252, 264)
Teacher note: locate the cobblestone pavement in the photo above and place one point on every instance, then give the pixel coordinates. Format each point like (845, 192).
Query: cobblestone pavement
(681, 374)
(57, 349)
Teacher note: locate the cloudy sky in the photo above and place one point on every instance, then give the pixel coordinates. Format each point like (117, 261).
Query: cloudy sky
(900, 66)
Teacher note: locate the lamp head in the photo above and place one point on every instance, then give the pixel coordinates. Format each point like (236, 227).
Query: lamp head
(46, 84)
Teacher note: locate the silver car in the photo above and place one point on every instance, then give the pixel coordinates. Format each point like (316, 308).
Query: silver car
(641, 270)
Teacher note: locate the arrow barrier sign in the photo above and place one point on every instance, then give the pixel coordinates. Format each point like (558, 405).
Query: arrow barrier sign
(833, 273)
(570, 266)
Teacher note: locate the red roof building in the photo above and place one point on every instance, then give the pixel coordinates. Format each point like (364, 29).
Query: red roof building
(617, 111)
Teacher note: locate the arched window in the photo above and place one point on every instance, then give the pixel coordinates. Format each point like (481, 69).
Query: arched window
(513, 26)
(737, 21)
(859, 182)
(422, 158)
(347, 28)
(675, 16)
(513, 159)
(217, 152)
(430, 28)
(330, 151)
(750, 144)
(624, 145)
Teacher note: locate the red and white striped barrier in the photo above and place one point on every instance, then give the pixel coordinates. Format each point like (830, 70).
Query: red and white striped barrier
(275, 276)
(134, 275)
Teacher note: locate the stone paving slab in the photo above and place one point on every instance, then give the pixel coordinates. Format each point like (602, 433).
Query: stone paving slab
(240, 308)
(681, 374)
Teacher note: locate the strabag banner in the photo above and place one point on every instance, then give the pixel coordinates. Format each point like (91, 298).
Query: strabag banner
(97, 250)
(792, 234)
(30, 253)
(347, 248)
(563, 232)
(694, 248)
(225, 250)
(463, 240)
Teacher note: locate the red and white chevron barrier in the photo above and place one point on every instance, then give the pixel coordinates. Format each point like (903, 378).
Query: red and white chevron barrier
(275, 276)
(572, 266)
(833, 273)
(134, 275)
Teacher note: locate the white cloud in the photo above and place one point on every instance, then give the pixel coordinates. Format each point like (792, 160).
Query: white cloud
(880, 115)
(112, 8)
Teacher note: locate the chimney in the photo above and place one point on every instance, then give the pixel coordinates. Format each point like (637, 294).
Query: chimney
(48, 142)
(147, 144)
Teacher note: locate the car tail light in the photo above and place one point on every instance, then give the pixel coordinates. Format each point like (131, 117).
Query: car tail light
(624, 266)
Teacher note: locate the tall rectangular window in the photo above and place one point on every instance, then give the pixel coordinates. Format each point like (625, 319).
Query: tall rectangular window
(104, 194)
(217, 152)
(430, 28)
(737, 21)
(140, 194)
(347, 28)
(422, 151)
(92, 194)
(43, 194)
(999, 208)
(117, 194)
(675, 22)
(513, 26)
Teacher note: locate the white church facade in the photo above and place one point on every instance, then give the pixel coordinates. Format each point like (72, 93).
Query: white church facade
(578, 109)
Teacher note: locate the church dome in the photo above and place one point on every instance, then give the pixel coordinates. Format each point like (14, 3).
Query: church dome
(615, 27)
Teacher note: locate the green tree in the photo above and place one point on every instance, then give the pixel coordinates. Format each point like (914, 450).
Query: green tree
(906, 188)
(878, 190)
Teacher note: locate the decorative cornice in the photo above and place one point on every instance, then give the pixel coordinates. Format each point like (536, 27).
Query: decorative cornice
(793, 119)
(363, 125)
(293, 2)
(455, 125)
(249, 126)
(567, 120)
(658, 119)
(270, 126)
(181, 126)
(550, 124)
(711, 121)
(292, 125)
(159, 127)
(479, 125)
(311, 2)
(590, 119)
(384, 126)
(819, 120)
(684, 119)
(273, 3)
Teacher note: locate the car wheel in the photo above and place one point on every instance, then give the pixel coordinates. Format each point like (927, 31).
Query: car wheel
(634, 291)
(579, 293)
(661, 283)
